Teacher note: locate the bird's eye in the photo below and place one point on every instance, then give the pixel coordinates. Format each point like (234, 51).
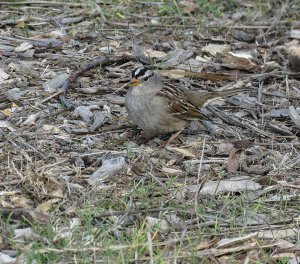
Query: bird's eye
(146, 79)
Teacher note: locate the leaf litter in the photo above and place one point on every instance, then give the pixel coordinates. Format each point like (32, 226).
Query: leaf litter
(69, 153)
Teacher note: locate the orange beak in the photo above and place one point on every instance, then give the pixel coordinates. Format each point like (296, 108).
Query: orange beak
(134, 82)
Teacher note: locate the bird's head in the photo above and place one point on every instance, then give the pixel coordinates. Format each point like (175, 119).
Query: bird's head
(140, 75)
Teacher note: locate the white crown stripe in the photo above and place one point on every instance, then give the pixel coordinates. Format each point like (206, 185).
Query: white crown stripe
(137, 71)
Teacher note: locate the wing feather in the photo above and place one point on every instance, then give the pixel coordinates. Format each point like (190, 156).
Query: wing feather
(179, 104)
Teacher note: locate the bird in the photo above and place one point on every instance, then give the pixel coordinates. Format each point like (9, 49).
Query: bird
(159, 107)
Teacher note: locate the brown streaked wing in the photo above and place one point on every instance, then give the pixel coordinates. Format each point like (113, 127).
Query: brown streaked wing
(178, 103)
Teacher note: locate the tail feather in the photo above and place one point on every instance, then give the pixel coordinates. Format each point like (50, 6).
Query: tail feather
(201, 98)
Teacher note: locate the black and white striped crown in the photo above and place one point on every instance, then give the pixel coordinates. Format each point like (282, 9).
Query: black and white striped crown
(142, 73)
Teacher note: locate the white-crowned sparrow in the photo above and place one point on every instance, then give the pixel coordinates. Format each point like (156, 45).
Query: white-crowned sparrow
(159, 107)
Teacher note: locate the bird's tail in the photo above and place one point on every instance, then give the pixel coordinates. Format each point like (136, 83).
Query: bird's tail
(230, 92)
(202, 98)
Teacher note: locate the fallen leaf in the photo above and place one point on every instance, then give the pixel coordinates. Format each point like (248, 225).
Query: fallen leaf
(294, 57)
(7, 112)
(233, 185)
(46, 206)
(279, 233)
(231, 242)
(238, 61)
(110, 167)
(188, 6)
(21, 202)
(3, 75)
(205, 245)
(30, 120)
(294, 33)
(6, 259)
(23, 234)
(288, 257)
(52, 85)
(214, 49)
(58, 193)
(52, 129)
(5, 124)
(176, 57)
(161, 224)
(171, 171)
(21, 24)
(23, 47)
(155, 54)
(233, 162)
(182, 151)
(294, 116)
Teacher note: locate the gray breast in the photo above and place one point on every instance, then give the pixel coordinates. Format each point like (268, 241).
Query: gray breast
(150, 112)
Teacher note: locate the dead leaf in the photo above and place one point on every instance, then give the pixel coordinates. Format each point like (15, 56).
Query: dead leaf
(224, 149)
(46, 206)
(176, 57)
(21, 24)
(233, 162)
(6, 259)
(184, 152)
(294, 33)
(214, 49)
(85, 113)
(238, 61)
(110, 167)
(58, 193)
(284, 244)
(294, 116)
(291, 258)
(52, 129)
(23, 47)
(23, 234)
(6, 124)
(242, 144)
(243, 35)
(140, 54)
(40, 217)
(172, 171)
(188, 6)
(161, 224)
(21, 202)
(294, 57)
(232, 242)
(206, 245)
(175, 74)
(233, 185)
(7, 112)
(3, 75)
(52, 85)
(30, 120)
(155, 54)
(279, 233)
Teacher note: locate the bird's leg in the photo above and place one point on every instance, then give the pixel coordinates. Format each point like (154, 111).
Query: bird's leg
(174, 136)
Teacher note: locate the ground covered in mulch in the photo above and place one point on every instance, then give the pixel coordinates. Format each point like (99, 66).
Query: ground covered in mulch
(80, 183)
